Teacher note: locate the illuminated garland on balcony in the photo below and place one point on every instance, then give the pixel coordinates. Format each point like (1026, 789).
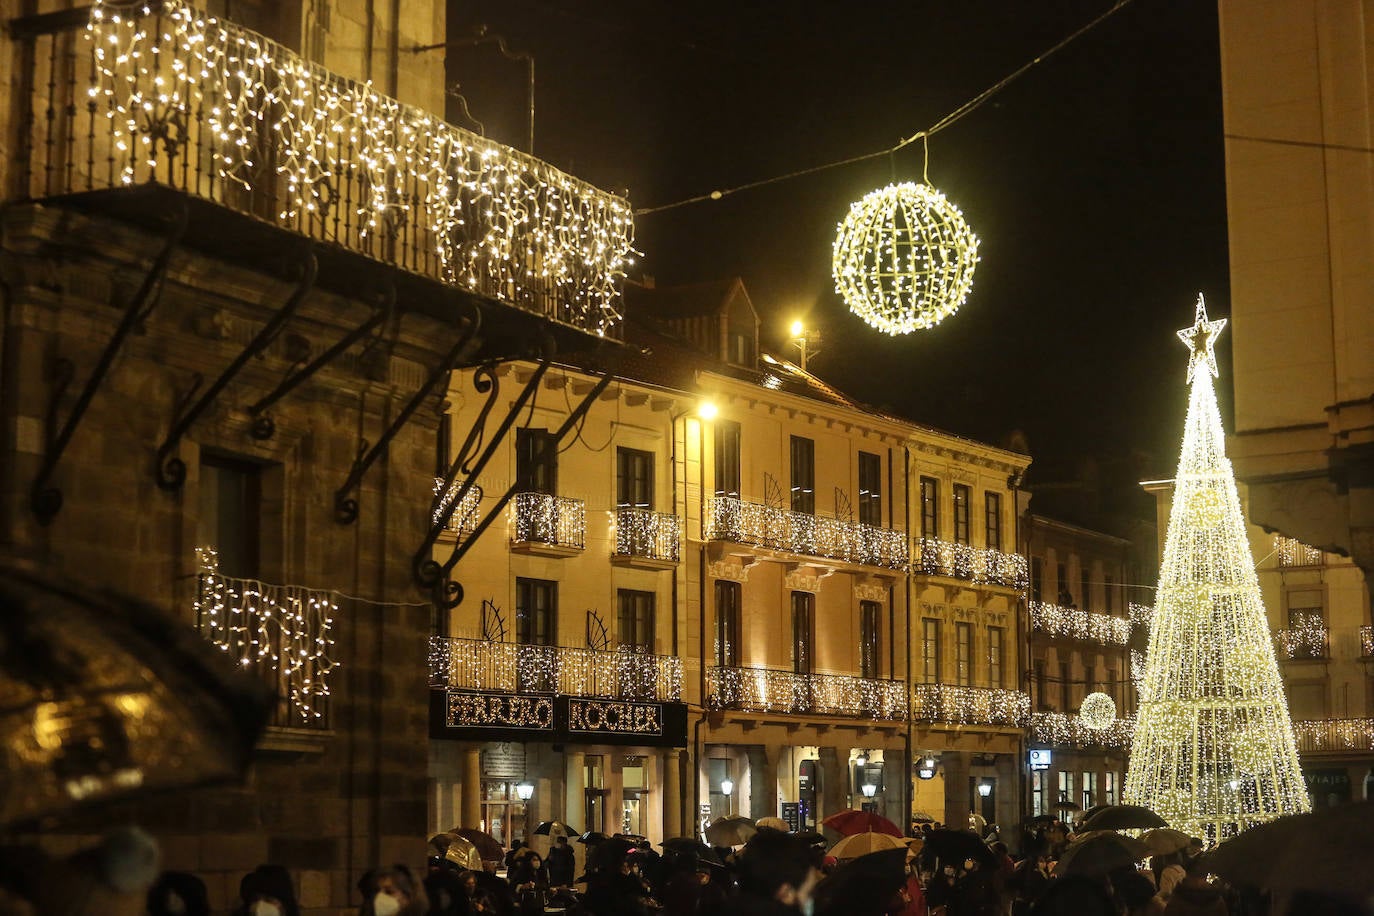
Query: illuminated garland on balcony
(742, 522)
(1367, 641)
(1306, 637)
(1334, 734)
(1141, 615)
(281, 628)
(464, 518)
(1058, 729)
(501, 223)
(645, 533)
(1071, 623)
(544, 519)
(1213, 751)
(773, 690)
(951, 705)
(1295, 553)
(480, 665)
(976, 564)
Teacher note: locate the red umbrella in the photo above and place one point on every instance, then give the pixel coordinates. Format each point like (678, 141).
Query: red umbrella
(848, 823)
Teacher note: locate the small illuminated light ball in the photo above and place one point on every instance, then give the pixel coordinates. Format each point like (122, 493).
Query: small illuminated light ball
(1098, 711)
(904, 258)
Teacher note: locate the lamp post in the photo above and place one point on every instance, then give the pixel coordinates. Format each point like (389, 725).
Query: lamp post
(727, 788)
(524, 790)
(806, 339)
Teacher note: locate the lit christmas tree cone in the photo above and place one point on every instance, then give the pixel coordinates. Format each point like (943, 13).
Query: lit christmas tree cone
(1213, 751)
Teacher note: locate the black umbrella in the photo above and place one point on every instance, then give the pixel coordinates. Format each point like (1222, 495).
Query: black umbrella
(553, 829)
(1100, 852)
(103, 698)
(1068, 806)
(1122, 817)
(685, 844)
(592, 837)
(864, 885)
(1040, 819)
(1328, 850)
(954, 846)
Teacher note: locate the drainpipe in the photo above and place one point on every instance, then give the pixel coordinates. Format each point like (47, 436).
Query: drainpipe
(1022, 646)
(907, 789)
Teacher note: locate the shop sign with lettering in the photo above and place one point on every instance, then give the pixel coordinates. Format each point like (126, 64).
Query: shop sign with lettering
(499, 710)
(594, 716)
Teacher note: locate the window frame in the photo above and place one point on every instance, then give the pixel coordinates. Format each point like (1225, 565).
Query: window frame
(992, 519)
(729, 596)
(870, 639)
(638, 609)
(533, 476)
(930, 650)
(802, 451)
(727, 448)
(996, 657)
(803, 632)
(527, 589)
(963, 653)
(870, 467)
(634, 478)
(963, 515)
(930, 508)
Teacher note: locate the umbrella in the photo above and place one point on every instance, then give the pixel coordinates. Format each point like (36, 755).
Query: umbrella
(488, 847)
(734, 830)
(848, 823)
(1122, 817)
(772, 823)
(592, 837)
(958, 845)
(1328, 850)
(685, 844)
(863, 885)
(1040, 819)
(920, 817)
(1089, 812)
(812, 838)
(103, 697)
(1068, 806)
(861, 844)
(1165, 840)
(607, 855)
(553, 829)
(457, 850)
(1099, 852)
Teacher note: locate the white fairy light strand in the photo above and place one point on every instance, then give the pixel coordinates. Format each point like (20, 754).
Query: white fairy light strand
(645, 533)
(463, 520)
(285, 629)
(1214, 750)
(555, 520)
(1072, 623)
(500, 223)
(734, 519)
(481, 665)
(1057, 729)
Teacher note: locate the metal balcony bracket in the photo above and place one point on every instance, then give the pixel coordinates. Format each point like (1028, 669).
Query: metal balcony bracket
(345, 503)
(170, 469)
(46, 501)
(427, 572)
(263, 425)
(447, 593)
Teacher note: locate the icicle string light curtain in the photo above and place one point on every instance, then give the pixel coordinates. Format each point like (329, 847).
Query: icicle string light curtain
(218, 111)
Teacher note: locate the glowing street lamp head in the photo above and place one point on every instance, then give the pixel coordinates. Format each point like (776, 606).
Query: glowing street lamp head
(798, 329)
(708, 410)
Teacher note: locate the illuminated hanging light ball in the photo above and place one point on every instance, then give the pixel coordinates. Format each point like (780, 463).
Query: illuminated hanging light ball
(904, 258)
(1098, 711)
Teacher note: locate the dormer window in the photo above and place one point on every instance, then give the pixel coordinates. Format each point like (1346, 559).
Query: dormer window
(741, 349)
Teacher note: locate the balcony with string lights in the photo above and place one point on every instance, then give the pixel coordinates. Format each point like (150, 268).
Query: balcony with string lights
(646, 539)
(1063, 730)
(977, 565)
(141, 111)
(734, 520)
(983, 707)
(1307, 639)
(547, 525)
(1058, 622)
(1334, 737)
(778, 690)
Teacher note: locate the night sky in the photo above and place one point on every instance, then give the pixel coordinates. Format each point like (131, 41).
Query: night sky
(1095, 184)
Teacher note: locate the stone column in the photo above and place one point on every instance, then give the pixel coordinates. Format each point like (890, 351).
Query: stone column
(672, 793)
(956, 766)
(470, 805)
(896, 779)
(834, 782)
(575, 783)
(1009, 796)
(763, 781)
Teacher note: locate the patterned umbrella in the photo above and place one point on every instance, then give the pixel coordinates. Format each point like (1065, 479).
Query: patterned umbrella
(861, 844)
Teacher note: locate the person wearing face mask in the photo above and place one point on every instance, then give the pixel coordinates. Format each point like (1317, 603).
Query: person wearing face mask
(394, 892)
(267, 891)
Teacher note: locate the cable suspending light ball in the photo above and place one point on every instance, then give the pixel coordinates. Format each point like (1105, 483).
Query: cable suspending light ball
(904, 258)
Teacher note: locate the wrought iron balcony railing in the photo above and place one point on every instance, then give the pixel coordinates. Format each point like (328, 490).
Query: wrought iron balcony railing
(1058, 729)
(1367, 641)
(1334, 735)
(1305, 642)
(283, 632)
(161, 93)
(553, 520)
(947, 704)
(975, 564)
(482, 665)
(464, 518)
(648, 534)
(776, 690)
(1071, 623)
(733, 519)
(1295, 553)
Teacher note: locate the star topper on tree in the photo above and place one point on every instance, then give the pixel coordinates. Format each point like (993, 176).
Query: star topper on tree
(1201, 338)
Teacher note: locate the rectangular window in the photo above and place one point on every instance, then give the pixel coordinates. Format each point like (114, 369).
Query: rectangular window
(1091, 678)
(1037, 583)
(536, 461)
(635, 611)
(993, 517)
(1065, 786)
(1109, 594)
(1109, 787)
(727, 458)
(1065, 688)
(963, 669)
(930, 651)
(728, 596)
(536, 612)
(1061, 580)
(634, 478)
(995, 657)
(1111, 684)
(870, 639)
(1089, 790)
(870, 489)
(1085, 592)
(1038, 793)
(442, 446)
(930, 508)
(962, 498)
(803, 475)
(230, 514)
(1042, 685)
(803, 632)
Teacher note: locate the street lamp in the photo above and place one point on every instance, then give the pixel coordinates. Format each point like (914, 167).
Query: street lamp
(862, 759)
(727, 788)
(985, 788)
(869, 790)
(806, 340)
(525, 791)
(707, 410)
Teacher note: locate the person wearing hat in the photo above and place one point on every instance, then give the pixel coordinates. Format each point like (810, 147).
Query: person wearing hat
(267, 891)
(178, 892)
